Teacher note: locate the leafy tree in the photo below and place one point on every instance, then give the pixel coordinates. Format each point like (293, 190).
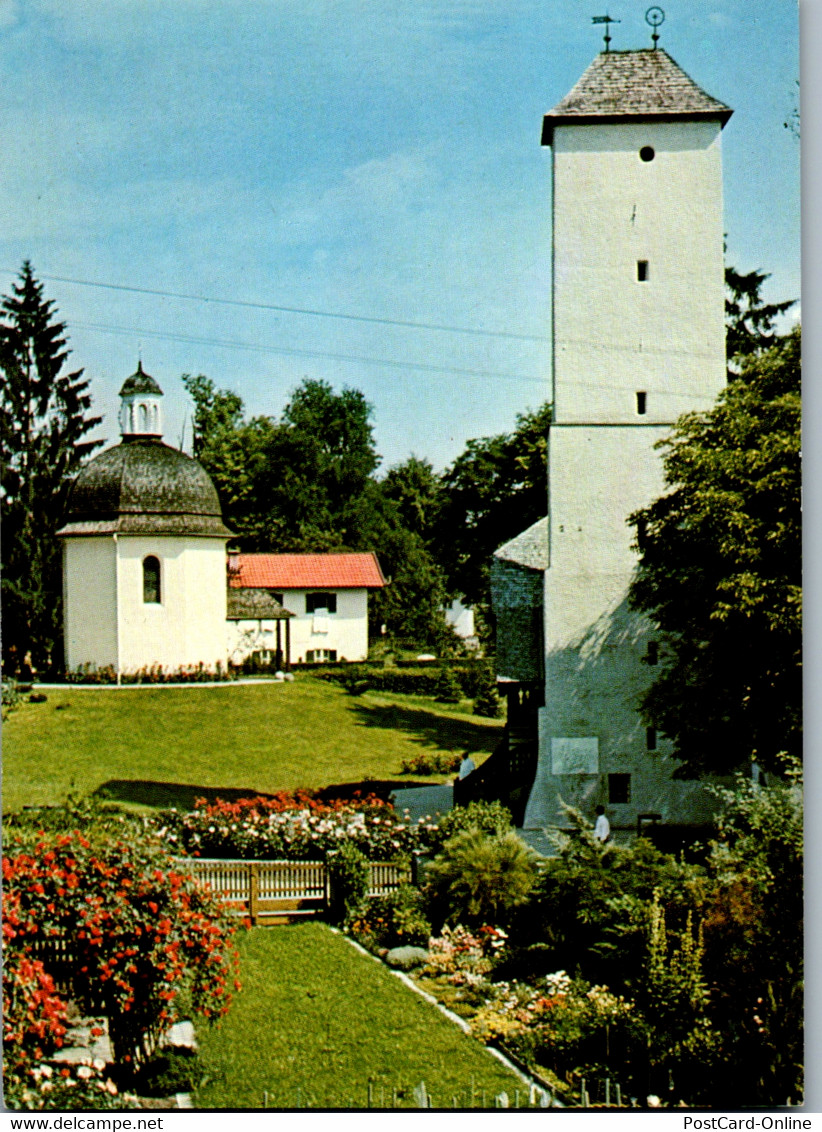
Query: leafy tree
(749, 321)
(494, 490)
(306, 483)
(720, 573)
(416, 490)
(232, 450)
(43, 421)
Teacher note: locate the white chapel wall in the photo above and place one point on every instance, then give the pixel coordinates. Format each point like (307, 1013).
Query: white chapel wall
(187, 627)
(89, 602)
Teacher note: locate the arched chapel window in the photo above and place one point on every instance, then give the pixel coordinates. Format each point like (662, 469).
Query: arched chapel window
(151, 580)
(143, 418)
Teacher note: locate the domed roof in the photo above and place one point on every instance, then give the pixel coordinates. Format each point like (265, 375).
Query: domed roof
(140, 382)
(143, 486)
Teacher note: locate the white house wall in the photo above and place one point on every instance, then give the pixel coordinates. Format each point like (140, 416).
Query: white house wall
(345, 631)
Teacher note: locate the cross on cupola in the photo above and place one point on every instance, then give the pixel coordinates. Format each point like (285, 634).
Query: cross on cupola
(140, 407)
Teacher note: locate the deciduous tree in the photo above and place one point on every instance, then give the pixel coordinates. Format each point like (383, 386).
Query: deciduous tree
(720, 573)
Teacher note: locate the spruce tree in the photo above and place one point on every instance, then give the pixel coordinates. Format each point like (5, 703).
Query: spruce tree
(43, 421)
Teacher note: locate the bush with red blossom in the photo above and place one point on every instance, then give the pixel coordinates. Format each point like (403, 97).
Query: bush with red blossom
(127, 931)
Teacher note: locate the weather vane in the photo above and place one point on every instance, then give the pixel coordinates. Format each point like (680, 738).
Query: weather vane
(607, 20)
(654, 17)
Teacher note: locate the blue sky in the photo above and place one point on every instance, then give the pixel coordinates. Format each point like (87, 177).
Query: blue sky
(374, 158)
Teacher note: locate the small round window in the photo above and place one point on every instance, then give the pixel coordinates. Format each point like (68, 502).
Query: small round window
(647, 153)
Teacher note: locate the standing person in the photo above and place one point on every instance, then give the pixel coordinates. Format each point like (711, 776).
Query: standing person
(602, 827)
(467, 765)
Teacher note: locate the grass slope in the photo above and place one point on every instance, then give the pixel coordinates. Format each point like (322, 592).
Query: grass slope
(316, 1021)
(164, 746)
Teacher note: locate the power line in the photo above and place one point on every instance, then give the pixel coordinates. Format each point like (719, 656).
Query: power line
(294, 310)
(265, 349)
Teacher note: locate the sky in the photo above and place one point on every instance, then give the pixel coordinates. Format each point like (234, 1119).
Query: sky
(278, 165)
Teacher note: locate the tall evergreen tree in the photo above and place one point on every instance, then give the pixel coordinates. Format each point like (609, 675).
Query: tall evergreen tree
(750, 323)
(43, 422)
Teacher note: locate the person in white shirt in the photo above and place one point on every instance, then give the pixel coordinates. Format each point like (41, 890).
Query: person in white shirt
(467, 765)
(602, 827)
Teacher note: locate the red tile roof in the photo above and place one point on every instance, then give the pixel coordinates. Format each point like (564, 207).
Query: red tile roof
(307, 571)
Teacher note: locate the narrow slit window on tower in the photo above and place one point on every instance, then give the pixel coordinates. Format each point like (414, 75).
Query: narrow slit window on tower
(151, 580)
(641, 404)
(650, 738)
(642, 270)
(619, 789)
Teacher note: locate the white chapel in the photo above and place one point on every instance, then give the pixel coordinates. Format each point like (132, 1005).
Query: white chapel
(638, 339)
(148, 583)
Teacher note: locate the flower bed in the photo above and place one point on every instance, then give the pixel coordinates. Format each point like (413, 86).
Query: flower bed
(295, 827)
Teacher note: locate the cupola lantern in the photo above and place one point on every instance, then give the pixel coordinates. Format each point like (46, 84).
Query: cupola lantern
(141, 407)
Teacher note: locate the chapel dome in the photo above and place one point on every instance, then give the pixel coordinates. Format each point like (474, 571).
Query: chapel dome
(142, 486)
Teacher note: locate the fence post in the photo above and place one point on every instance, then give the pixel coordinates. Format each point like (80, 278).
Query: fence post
(254, 891)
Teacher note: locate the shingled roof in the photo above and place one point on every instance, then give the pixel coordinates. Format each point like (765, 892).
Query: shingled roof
(633, 86)
(254, 605)
(529, 548)
(143, 486)
(307, 571)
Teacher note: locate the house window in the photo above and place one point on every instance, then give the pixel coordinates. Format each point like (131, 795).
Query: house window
(642, 270)
(276, 596)
(320, 600)
(317, 656)
(641, 404)
(619, 789)
(647, 153)
(650, 738)
(151, 580)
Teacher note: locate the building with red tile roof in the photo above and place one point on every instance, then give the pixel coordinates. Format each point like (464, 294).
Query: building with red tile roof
(323, 596)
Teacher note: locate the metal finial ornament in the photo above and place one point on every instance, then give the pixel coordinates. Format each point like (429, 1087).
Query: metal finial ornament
(607, 20)
(654, 17)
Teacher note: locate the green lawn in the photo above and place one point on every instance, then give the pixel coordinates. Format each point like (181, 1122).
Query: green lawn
(164, 746)
(316, 1021)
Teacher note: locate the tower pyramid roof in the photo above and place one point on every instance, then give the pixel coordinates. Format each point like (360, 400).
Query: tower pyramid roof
(633, 86)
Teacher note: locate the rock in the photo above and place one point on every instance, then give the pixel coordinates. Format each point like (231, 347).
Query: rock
(181, 1034)
(405, 958)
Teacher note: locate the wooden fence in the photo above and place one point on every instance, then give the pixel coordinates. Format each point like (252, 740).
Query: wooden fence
(268, 891)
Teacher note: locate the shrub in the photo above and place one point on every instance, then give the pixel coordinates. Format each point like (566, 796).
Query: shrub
(171, 1070)
(79, 1086)
(348, 878)
(143, 937)
(11, 697)
(486, 699)
(34, 1015)
(395, 920)
(480, 879)
(447, 688)
(492, 818)
(436, 762)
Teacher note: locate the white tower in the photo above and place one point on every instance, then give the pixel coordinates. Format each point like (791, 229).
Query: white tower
(638, 339)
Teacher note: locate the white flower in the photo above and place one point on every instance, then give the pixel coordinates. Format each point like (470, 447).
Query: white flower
(99, 1064)
(654, 1101)
(85, 1071)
